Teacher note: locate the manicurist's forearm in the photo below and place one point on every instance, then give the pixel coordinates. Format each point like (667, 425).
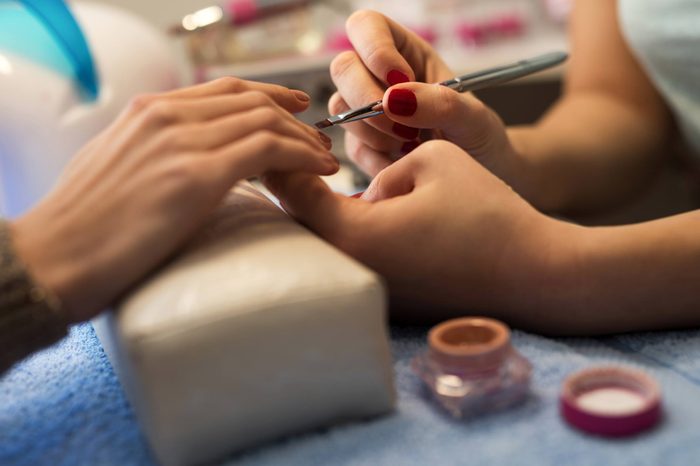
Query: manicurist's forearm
(588, 151)
(603, 138)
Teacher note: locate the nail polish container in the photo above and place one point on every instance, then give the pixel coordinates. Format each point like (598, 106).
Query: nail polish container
(471, 367)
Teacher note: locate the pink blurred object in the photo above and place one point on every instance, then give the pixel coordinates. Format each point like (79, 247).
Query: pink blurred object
(247, 11)
(242, 11)
(426, 33)
(471, 33)
(338, 41)
(507, 25)
(478, 33)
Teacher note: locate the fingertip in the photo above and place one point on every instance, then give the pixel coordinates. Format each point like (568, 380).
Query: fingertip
(301, 96)
(336, 104)
(331, 166)
(294, 100)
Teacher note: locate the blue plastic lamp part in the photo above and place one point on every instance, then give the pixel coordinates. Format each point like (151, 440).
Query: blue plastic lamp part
(57, 42)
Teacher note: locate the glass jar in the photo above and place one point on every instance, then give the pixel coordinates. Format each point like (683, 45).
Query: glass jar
(471, 367)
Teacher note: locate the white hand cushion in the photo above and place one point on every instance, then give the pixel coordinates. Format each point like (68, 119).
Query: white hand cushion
(257, 331)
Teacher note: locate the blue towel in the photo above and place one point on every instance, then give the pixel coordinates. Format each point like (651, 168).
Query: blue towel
(64, 406)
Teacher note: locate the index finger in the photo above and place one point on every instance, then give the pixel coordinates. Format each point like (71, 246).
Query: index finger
(384, 46)
(309, 199)
(291, 100)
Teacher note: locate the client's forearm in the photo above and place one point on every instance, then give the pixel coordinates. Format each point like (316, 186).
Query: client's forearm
(619, 279)
(589, 150)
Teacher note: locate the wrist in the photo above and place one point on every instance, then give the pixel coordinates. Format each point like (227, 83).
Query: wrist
(39, 245)
(543, 277)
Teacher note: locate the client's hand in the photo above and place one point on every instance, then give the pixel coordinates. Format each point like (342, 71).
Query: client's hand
(146, 184)
(447, 235)
(386, 54)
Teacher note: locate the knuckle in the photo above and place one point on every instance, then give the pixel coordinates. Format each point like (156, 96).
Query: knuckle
(265, 116)
(259, 99)
(141, 102)
(166, 140)
(343, 63)
(267, 141)
(179, 174)
(161, 112)
(377, 55)
(229, 84)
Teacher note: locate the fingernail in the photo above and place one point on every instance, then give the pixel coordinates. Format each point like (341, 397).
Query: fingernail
(409, 147)
(357, 195)
(301, 95)
(332, 162)
(325, 140)
(396, 77)
(404, 131)
(402, 102)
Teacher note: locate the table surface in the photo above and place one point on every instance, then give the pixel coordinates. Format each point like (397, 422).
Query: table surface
(64, 406)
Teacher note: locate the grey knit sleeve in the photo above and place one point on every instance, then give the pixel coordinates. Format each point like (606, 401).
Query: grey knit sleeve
(30, 317)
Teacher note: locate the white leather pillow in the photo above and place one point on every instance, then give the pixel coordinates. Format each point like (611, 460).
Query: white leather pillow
(257, 331)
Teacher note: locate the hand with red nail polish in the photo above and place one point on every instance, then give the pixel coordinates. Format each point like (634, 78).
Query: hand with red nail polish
(393, 64)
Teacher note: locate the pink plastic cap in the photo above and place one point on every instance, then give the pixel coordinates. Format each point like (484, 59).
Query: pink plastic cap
(611, 401)
(242, 11)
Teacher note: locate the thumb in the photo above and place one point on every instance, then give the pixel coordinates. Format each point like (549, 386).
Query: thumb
(462, 118)
(408, 173)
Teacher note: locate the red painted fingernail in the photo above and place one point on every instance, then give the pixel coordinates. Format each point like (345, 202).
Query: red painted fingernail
(404, 131)
(396, 77)
(357, 195)
(409, 147)
(402, 102)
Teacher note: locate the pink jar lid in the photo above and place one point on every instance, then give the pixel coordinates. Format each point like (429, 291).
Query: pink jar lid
(611, 401)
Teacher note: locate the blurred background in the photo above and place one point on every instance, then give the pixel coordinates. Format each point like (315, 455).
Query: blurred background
(292, 42)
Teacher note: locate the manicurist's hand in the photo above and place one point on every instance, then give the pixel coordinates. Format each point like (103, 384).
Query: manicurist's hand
(394, 64)
(448, 236)
(147, 183)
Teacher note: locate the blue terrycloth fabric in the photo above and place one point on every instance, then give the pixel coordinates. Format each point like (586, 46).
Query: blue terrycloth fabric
(64, 406)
